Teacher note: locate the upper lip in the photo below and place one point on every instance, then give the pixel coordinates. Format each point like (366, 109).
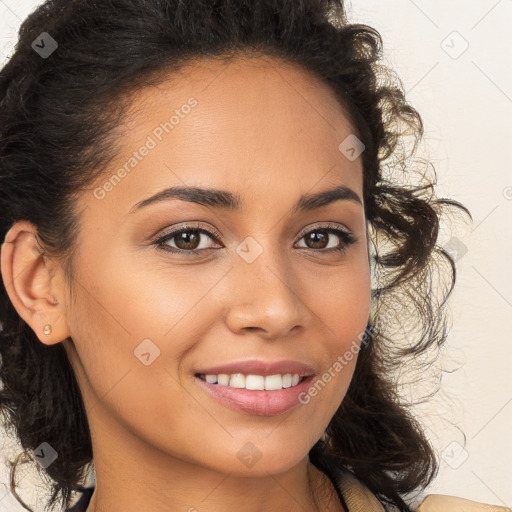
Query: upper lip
(258, 367)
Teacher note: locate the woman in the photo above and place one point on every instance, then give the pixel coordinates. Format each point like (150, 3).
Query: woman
(196, 283)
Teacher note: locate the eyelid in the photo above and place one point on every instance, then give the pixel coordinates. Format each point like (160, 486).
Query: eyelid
(336, 227)
(210, 231)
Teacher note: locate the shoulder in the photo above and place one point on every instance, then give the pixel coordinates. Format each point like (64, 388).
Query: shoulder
(360, 499)
(445, 503)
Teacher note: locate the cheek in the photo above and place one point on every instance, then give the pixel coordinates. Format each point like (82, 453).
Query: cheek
(151, 299)
(342, 301)
(344, 312)
(134, 325)
(126, 359)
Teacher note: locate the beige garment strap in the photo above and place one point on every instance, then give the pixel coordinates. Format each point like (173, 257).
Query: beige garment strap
(443, 503)
(357, 496)
(360, 499)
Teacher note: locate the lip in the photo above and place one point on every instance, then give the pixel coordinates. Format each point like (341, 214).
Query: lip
(259, 367)
(258, 402)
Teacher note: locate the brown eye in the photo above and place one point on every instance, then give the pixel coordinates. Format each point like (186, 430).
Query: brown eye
(187, 239)
(318, 239)
(327, 239)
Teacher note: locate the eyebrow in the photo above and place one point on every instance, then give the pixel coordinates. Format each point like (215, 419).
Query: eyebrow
(228, 201)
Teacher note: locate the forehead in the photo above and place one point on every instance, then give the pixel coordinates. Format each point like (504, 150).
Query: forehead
(244, 92)
(264, 88)
(242, 124)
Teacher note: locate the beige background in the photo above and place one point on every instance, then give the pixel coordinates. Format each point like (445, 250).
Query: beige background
(455, 61)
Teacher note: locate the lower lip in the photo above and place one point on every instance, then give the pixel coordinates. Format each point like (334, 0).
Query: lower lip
(258, 402)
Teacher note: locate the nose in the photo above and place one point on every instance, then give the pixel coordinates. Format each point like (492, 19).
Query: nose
(266, 297)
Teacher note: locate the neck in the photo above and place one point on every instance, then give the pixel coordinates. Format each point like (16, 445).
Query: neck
(322, 498)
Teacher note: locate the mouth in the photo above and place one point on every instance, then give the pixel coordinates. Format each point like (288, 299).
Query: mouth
(253, 382)
(249, 394)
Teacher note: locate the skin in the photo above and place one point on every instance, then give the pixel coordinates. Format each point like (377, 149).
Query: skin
(267, 131)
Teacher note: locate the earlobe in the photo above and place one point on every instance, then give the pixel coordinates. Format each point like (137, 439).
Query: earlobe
(27, 278)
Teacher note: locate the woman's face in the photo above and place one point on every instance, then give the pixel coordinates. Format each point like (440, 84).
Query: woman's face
(259, 276)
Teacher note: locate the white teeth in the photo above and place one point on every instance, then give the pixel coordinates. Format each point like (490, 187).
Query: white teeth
(254, 382)
(287, 380)
(273, 382)
(237, 380)
(223, 379)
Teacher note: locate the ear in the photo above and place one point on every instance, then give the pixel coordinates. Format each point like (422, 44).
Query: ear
(27, 276)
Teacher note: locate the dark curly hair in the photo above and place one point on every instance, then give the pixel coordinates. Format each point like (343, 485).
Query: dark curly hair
(58, 117)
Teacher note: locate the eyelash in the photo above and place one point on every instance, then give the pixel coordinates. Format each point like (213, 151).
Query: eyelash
(347, 238)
